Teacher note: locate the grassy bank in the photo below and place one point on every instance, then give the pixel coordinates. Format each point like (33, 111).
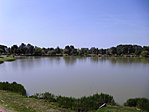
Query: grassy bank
(6, 58)
(13, 102)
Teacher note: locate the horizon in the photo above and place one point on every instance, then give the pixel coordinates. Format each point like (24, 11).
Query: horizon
(85, 23)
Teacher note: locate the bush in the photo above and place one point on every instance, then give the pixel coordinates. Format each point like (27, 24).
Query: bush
(13, 87)
(132, 102)
(141, 103)
(1, 61)
(80, 104)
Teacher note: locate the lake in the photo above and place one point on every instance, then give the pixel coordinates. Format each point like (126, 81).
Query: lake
(123, 78)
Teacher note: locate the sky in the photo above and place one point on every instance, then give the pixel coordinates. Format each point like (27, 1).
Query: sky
(82, 23)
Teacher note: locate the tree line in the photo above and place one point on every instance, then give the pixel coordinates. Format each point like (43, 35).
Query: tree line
(31, 50)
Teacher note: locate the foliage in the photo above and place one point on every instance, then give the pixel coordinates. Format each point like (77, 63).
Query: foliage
(12, 102)
(38, 51)
(13, 87)
(3, 49)
(120, 50)
(145, 53)
(141, 103)
(80, 104)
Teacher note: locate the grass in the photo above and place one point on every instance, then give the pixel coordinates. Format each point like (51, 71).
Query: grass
(12, 102)
(117, 109)
(6, 58)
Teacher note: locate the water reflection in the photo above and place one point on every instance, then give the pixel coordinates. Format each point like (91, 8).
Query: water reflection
(70, 60)
(128, 60)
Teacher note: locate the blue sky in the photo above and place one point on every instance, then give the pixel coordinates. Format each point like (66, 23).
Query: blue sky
(82, 23)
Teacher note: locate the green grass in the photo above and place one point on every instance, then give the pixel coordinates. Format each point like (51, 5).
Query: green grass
(6, 58)
(117, 109)
(12, 102)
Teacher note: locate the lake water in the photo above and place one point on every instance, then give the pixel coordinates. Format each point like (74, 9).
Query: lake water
(123, 78)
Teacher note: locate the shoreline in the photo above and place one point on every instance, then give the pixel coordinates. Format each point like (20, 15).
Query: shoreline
(13, 102)
(6, 58)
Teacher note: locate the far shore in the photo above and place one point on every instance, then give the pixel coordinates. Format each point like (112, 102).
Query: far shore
(7, 58)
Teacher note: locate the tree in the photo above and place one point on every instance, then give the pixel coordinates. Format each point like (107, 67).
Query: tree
(38, 51)
(58, 50)
(113, 50)
(14, 49)
(67, 50)
(71, 47)
(102, 51)
(3, 49)
(137, 49)
(45, 50)
(52, 52)
(83, 51)
(145, 53)
(30, 49)
(22, 49)
(145, 48)
(93, 50)
(74, 52)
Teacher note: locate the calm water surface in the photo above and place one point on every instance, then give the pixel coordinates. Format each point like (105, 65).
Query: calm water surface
(122, 78)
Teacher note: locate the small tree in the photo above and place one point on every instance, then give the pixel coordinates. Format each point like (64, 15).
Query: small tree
(145, 53)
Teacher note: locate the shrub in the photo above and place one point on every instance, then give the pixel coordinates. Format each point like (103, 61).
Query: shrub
(132, 102)
(13, 87)
(141, 103)
(1, 61)
(80, 104)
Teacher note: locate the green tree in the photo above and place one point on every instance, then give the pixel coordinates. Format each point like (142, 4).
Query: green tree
(137, 49)
(93, 50)
(102, 51)
(14, 49)
(23, 49)
(67, 50)
(145, 53)
(113, 50)
(143, 104)
(30, 49)
(83, 51)
(38, 51)
(3, 49)
(8, 51)
(58, 50)
(145, 48)
(74, 52)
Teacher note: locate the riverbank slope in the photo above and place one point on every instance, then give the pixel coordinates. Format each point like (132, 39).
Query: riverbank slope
(12, 102)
